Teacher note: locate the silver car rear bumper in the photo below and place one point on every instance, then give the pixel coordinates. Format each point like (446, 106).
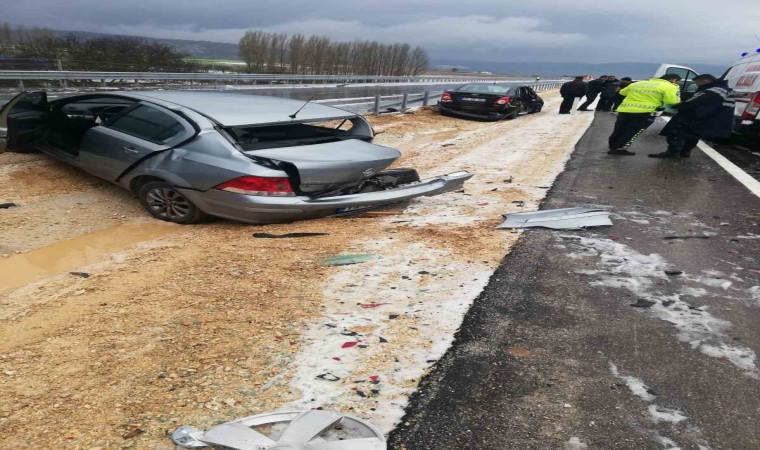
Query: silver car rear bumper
(259, 209)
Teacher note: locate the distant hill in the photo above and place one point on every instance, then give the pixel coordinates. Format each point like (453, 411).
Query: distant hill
(198, 49)
(636, 70)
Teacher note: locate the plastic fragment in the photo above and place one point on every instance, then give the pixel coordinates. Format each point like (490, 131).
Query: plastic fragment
(349, 344)
(7, 205)
(287, 235)
(344, 260)
(328, 377)
(372, 305)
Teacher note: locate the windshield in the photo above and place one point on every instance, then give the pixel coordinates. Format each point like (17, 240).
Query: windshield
(485, 88)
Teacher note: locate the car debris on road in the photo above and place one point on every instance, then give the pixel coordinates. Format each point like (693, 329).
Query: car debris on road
(288, 430)
(560, 219)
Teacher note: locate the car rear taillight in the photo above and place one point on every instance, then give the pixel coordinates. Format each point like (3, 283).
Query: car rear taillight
(503, 100)
(753, 107)
(446, 97)
(266, 186)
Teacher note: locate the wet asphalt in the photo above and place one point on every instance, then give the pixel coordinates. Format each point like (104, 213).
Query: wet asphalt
(531, 365)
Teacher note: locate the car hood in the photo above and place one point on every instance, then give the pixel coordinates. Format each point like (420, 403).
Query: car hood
(333, 163)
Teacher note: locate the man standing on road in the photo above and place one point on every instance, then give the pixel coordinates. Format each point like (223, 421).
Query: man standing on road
(707, 115)
(594, 88)
(609, 91)
(638, 110)
(569, 92)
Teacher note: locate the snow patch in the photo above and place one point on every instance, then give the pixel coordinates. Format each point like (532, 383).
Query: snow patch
(433, 298)
(637, 386)
(661, 414)
(622, 267)
(574, 444)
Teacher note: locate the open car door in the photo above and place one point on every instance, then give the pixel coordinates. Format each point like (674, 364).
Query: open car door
(687, 74)
(23, 120)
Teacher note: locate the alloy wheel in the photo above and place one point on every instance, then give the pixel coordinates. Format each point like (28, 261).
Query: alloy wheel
(168, 204)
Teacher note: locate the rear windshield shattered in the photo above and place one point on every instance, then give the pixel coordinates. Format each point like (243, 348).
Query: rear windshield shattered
(290, 135)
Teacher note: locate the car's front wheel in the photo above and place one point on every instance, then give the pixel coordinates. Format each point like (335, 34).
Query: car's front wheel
(164, 202)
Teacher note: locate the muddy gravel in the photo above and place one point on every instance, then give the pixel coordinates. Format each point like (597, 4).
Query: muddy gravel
(163, 325)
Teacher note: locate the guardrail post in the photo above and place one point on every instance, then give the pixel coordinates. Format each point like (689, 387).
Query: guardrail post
(404, 100)
(21, 84)
(426, 98)
(62, 83)
(103, 82)
(376, 108)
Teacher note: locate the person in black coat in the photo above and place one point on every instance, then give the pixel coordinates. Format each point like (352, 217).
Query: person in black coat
(569, 92)
(594, 88)
(607, 96)
(707, 115)
(625, 81)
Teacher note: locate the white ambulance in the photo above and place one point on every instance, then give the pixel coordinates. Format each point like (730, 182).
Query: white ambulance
(744, 78)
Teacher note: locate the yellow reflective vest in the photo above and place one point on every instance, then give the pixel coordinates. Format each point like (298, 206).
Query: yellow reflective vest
(647, 96)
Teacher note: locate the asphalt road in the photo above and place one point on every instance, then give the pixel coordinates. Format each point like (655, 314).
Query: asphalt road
(553, 356)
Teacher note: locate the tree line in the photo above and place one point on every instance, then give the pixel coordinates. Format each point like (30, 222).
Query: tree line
(319, 55)
(262, 53)
(24, 46)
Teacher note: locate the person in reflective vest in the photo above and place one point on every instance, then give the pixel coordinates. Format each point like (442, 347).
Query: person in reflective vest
(643, 100)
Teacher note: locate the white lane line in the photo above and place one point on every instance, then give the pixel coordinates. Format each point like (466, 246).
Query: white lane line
(741, 176)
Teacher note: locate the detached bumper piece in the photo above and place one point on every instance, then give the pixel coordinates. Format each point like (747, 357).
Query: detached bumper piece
(558, 219)
(307, 430)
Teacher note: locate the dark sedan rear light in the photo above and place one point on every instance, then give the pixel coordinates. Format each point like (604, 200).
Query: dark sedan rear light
(753, 107)
(265, 186)
(446, 97)
(503, 100)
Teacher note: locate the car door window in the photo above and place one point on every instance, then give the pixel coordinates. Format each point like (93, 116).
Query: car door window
(148, 123)
(680, 71)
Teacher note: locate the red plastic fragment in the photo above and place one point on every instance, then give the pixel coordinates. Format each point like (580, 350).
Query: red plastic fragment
(336, 358)
(348, 344)
(374, 378)
(371, 305)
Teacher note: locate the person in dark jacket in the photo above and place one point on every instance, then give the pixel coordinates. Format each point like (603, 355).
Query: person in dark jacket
(707, 115)
(569, 92)
(594, 88)
(625, 81)
(608, 94)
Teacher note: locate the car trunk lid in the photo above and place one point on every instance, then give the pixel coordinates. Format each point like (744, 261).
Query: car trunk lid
(320, 166)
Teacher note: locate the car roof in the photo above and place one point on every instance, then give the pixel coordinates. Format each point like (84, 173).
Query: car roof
(242, 109)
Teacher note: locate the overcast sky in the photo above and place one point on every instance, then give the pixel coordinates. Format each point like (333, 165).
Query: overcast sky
(476, 30)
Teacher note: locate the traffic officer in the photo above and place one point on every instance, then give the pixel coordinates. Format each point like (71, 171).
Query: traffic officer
(642, 100)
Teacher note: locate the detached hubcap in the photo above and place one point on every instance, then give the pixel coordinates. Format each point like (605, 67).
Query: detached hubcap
(168, 203)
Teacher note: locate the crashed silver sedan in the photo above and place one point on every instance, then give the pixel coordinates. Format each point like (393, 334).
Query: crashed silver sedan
(190, 155)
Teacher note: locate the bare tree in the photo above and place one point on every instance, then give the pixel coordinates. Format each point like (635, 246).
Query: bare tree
(297, 51)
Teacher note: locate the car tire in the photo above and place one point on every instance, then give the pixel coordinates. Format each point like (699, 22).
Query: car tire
(164, 202)
(512, 115)
(535, 109)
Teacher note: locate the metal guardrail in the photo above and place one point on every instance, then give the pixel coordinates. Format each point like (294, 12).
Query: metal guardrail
(388, 103)
(103, 77)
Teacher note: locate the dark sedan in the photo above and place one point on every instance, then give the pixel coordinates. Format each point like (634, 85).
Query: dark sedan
(490, 101)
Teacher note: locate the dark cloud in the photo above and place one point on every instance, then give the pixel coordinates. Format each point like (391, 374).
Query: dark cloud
(546, 30)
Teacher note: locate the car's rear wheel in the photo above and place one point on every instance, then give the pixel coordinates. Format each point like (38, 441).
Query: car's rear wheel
(164, 202)
(535, 109)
